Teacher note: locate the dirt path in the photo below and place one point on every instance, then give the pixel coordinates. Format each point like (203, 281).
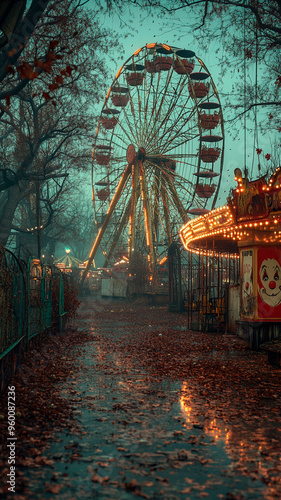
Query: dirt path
(129, 403)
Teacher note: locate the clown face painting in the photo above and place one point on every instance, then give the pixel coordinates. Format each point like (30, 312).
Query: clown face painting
(247, 283)
(270, 278)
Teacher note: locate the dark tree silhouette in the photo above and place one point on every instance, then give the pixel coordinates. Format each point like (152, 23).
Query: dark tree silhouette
(46, 128)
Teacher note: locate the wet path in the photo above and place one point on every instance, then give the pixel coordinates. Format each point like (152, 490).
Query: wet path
(164, 414)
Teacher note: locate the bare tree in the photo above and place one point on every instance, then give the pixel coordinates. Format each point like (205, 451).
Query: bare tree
(23, 24)
(46, 128)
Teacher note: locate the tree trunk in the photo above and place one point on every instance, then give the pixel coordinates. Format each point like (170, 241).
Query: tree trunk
(7, 213)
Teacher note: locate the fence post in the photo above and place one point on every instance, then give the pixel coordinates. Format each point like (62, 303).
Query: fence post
(46, 297)
(35, 284)
(62, 312)
(175, 279)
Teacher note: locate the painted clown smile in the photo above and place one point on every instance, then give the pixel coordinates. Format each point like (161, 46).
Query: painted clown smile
(270, 276)
(270, 294)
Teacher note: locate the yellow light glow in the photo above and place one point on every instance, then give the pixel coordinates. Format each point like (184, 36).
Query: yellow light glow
(118, 73)
(137, 52)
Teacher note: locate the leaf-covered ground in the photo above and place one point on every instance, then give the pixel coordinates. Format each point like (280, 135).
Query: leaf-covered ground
(129, 403)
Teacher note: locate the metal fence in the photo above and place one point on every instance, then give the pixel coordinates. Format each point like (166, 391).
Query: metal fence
(13, 306)
(31, 303)
(39, 298)
(199, 285)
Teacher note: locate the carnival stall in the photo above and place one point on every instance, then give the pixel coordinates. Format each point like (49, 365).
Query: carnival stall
(249, 228)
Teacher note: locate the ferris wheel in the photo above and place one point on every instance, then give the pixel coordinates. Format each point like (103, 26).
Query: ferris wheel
(158, 152)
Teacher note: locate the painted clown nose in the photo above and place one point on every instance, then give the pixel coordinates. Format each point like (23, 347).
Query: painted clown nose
(272, 285)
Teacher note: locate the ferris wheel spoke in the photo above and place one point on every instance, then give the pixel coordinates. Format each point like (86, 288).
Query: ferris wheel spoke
(115, 180)
(172, 103)
(130, 132)
(154, 111)
(148, 90)
(176, 97)
(135, 126)
(116, 236)
(147, 217)
(157, 92)
(125, 132)
(175, 104)
(176, 142)
(179, 180)
(168, 125)
(156, 194)
(183, 184)
(177, 124)
(176, 198)
(179, 129)
(134, 201)
(141, 123)
(158, 109)
(163, 231)
(182, 117)
(166, 214)
(176, 137)
(172, 204)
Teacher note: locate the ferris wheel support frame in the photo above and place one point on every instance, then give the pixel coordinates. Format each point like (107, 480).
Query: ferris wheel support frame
(122, 224)
(102, 229)
(156, 207)
(166, 214)
(135, 197)
(147, 218)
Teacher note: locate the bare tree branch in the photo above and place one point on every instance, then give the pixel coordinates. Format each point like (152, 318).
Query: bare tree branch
(12, 52)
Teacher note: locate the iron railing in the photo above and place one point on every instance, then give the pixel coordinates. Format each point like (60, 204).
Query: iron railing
(13, 306)
(31, 303)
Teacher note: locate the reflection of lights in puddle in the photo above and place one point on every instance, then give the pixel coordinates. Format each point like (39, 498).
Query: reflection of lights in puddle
(241, 452)
(187, 410)
(127, 386)
(212, 428)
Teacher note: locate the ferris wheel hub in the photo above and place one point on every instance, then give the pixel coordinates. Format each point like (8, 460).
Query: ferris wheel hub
(131, 154)
(141, 154)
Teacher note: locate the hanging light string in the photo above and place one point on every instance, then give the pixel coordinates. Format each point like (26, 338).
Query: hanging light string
(245, 101)
(256, 138)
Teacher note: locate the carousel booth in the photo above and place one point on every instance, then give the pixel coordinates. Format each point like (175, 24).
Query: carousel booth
(250, 225)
